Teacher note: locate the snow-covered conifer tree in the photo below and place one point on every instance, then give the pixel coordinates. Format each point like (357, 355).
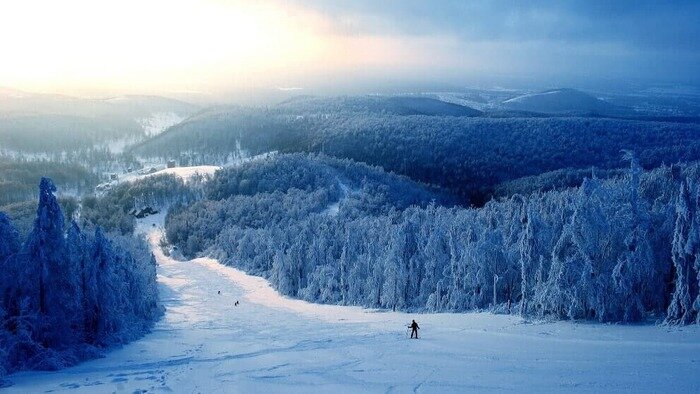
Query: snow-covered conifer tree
(44, 246)
(526, 246)
(78, 256)
(46, 286)
(9, 238)
(680, 309)
(634, 271)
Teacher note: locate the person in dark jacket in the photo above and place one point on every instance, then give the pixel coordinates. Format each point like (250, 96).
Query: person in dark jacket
(414, 329)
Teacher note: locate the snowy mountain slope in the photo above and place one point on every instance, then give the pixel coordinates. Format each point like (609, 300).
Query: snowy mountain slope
(272, 344)
(562, 101)
(157, 122)
(485, 100)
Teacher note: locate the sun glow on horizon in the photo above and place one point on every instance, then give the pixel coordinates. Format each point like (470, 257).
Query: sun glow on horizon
(161, 44)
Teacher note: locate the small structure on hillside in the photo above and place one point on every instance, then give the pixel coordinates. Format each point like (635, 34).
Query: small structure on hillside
(142, 213)
(172, 164)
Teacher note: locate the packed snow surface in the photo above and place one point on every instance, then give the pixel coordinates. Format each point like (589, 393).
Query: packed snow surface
(270, 343)
(186, 173)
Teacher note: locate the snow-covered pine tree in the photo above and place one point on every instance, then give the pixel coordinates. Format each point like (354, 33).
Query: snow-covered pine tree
(377, 244)
(396, 270)
(78, 256)
(44, 262)
(680, 309)
(9, 247)
(45, 243)
(413, 260)
(634, 271)
(343, 264)
(103, 319)
(9, 238)
(436, 252)
(692, 249)
(526, 246)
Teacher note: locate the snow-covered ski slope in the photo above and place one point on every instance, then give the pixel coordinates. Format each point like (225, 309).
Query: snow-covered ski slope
(268, 343)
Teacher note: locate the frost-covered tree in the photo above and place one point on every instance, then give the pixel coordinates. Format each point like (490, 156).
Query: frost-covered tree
(9, 291)
(394, 291)
(436, 251)
(48, 280)
(79, 258)
(63, 298)
(44, 247)
(526, 246)
(602, 251)
(680, 310)
(635, 272)
(9, 238)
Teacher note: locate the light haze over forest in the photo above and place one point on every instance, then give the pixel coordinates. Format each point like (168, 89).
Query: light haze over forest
(226, 50)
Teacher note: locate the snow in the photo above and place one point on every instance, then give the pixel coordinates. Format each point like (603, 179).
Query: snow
(559, 101)
(119, 145)
(528, 96)
(146, 225)
(334, 208)
(157, 122)
(271, 343)
(186, 173)
(456, 99)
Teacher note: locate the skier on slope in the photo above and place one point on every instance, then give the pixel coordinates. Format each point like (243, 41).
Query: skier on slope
(414, 329)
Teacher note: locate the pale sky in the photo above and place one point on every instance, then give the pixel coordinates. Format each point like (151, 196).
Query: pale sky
(227, 45)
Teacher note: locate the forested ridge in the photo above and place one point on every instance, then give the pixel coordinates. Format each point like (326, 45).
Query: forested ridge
(284, 188)
(467, 155)
(28, 133)
(18, 178)
(621, 249)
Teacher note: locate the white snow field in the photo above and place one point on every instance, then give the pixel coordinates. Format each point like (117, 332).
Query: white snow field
(186, 173)
(206, 344)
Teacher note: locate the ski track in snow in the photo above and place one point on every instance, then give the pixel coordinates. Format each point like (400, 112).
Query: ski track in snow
(271, 343)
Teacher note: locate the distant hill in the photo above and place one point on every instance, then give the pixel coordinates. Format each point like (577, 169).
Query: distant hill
(18, 103)
(37, 122)
(19, 177)
(467, 155)
(563, 101)
(341, 177)
(56, 133)
(395, 105)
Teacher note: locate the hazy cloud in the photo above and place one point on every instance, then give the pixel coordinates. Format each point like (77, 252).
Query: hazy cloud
(642, 23)
(604, 39)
